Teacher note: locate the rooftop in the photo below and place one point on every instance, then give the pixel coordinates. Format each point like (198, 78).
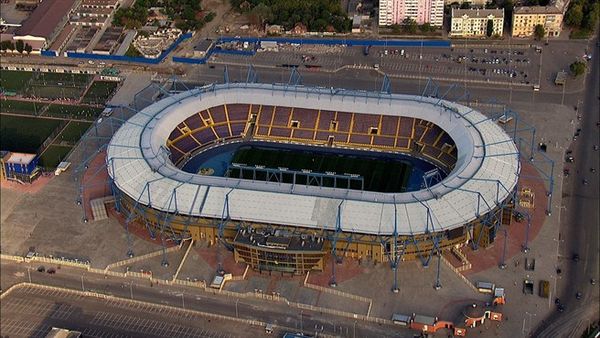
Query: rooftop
(537, 10)
(100, 3)
(45, 18)
(62, 333)
(203, 45)
(477, 13)
(485, 174)
(62, 38)
(20, 158)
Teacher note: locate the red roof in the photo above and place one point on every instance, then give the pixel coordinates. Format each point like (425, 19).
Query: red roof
(45, 18)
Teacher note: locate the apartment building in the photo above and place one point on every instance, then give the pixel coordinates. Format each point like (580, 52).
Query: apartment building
(526, 18)
(422, 11)
(474, 22)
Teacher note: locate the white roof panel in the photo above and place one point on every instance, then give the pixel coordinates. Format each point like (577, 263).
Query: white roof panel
(486, 156)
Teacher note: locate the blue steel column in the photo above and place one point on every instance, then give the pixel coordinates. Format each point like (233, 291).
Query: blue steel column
(338, 230)
(503, 262)
(396, 258)
(437, 285)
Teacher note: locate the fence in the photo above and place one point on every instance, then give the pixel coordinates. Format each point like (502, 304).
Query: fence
(347, 42)
(200, 285)
(124, 58)
(460, 275)
(142, 257)
(327, 42)
(337, 292)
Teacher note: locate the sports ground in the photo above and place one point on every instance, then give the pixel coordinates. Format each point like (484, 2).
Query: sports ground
(379, 171)
(31, 122)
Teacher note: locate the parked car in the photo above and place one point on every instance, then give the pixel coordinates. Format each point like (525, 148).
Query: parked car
(41, 268)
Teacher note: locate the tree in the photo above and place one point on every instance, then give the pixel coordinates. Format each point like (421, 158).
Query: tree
(465, 5)
(19, 45)
(7, 45)
(491, 5)
(261, 14)
(28, 48)
(396, 28)
(539, 32)
(577, 68)
(591, 17)
(489, 30)
(426, 27)
(209, 17)
(409, 25)
(508, 7)
(574, 16)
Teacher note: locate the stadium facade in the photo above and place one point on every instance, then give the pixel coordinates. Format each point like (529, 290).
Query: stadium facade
(290, 227)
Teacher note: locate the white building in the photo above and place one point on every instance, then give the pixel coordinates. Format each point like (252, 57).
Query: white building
(422, 11)
(473, 22)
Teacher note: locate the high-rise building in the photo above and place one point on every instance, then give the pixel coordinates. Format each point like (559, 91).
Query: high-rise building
(422, 11)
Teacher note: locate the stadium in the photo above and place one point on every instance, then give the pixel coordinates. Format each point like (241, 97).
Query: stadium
(285, 175)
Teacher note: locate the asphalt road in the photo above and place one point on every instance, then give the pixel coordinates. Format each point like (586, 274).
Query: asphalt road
(31, 311)
(372, 80)
(278, 313)
(580, 222)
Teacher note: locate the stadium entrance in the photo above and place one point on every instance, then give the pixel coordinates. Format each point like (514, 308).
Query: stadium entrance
(278, 250)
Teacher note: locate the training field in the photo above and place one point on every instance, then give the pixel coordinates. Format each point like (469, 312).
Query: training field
(21, 107)
(48, 85)
(72, 111)
(14, 81)
(99, 92)
(73, 132)
(24, 134)
(383, 174)
(53, 155)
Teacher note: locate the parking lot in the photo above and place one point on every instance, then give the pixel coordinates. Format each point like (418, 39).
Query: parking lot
(32, 311)
(519, 65)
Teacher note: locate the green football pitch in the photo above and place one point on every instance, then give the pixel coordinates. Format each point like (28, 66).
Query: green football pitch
(379, 174)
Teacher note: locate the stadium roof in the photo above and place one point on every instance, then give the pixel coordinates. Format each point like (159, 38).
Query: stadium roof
(485, 173)
(20, 158)
(45, 18)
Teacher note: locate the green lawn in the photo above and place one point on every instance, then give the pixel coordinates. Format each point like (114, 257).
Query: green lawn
(72, 111)
(55, 91)
(13, 80)
(53, 155)
(24, 134)
(22, 107)
(380, 174)
(100, 91)
(60, 79)
(73, 131)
